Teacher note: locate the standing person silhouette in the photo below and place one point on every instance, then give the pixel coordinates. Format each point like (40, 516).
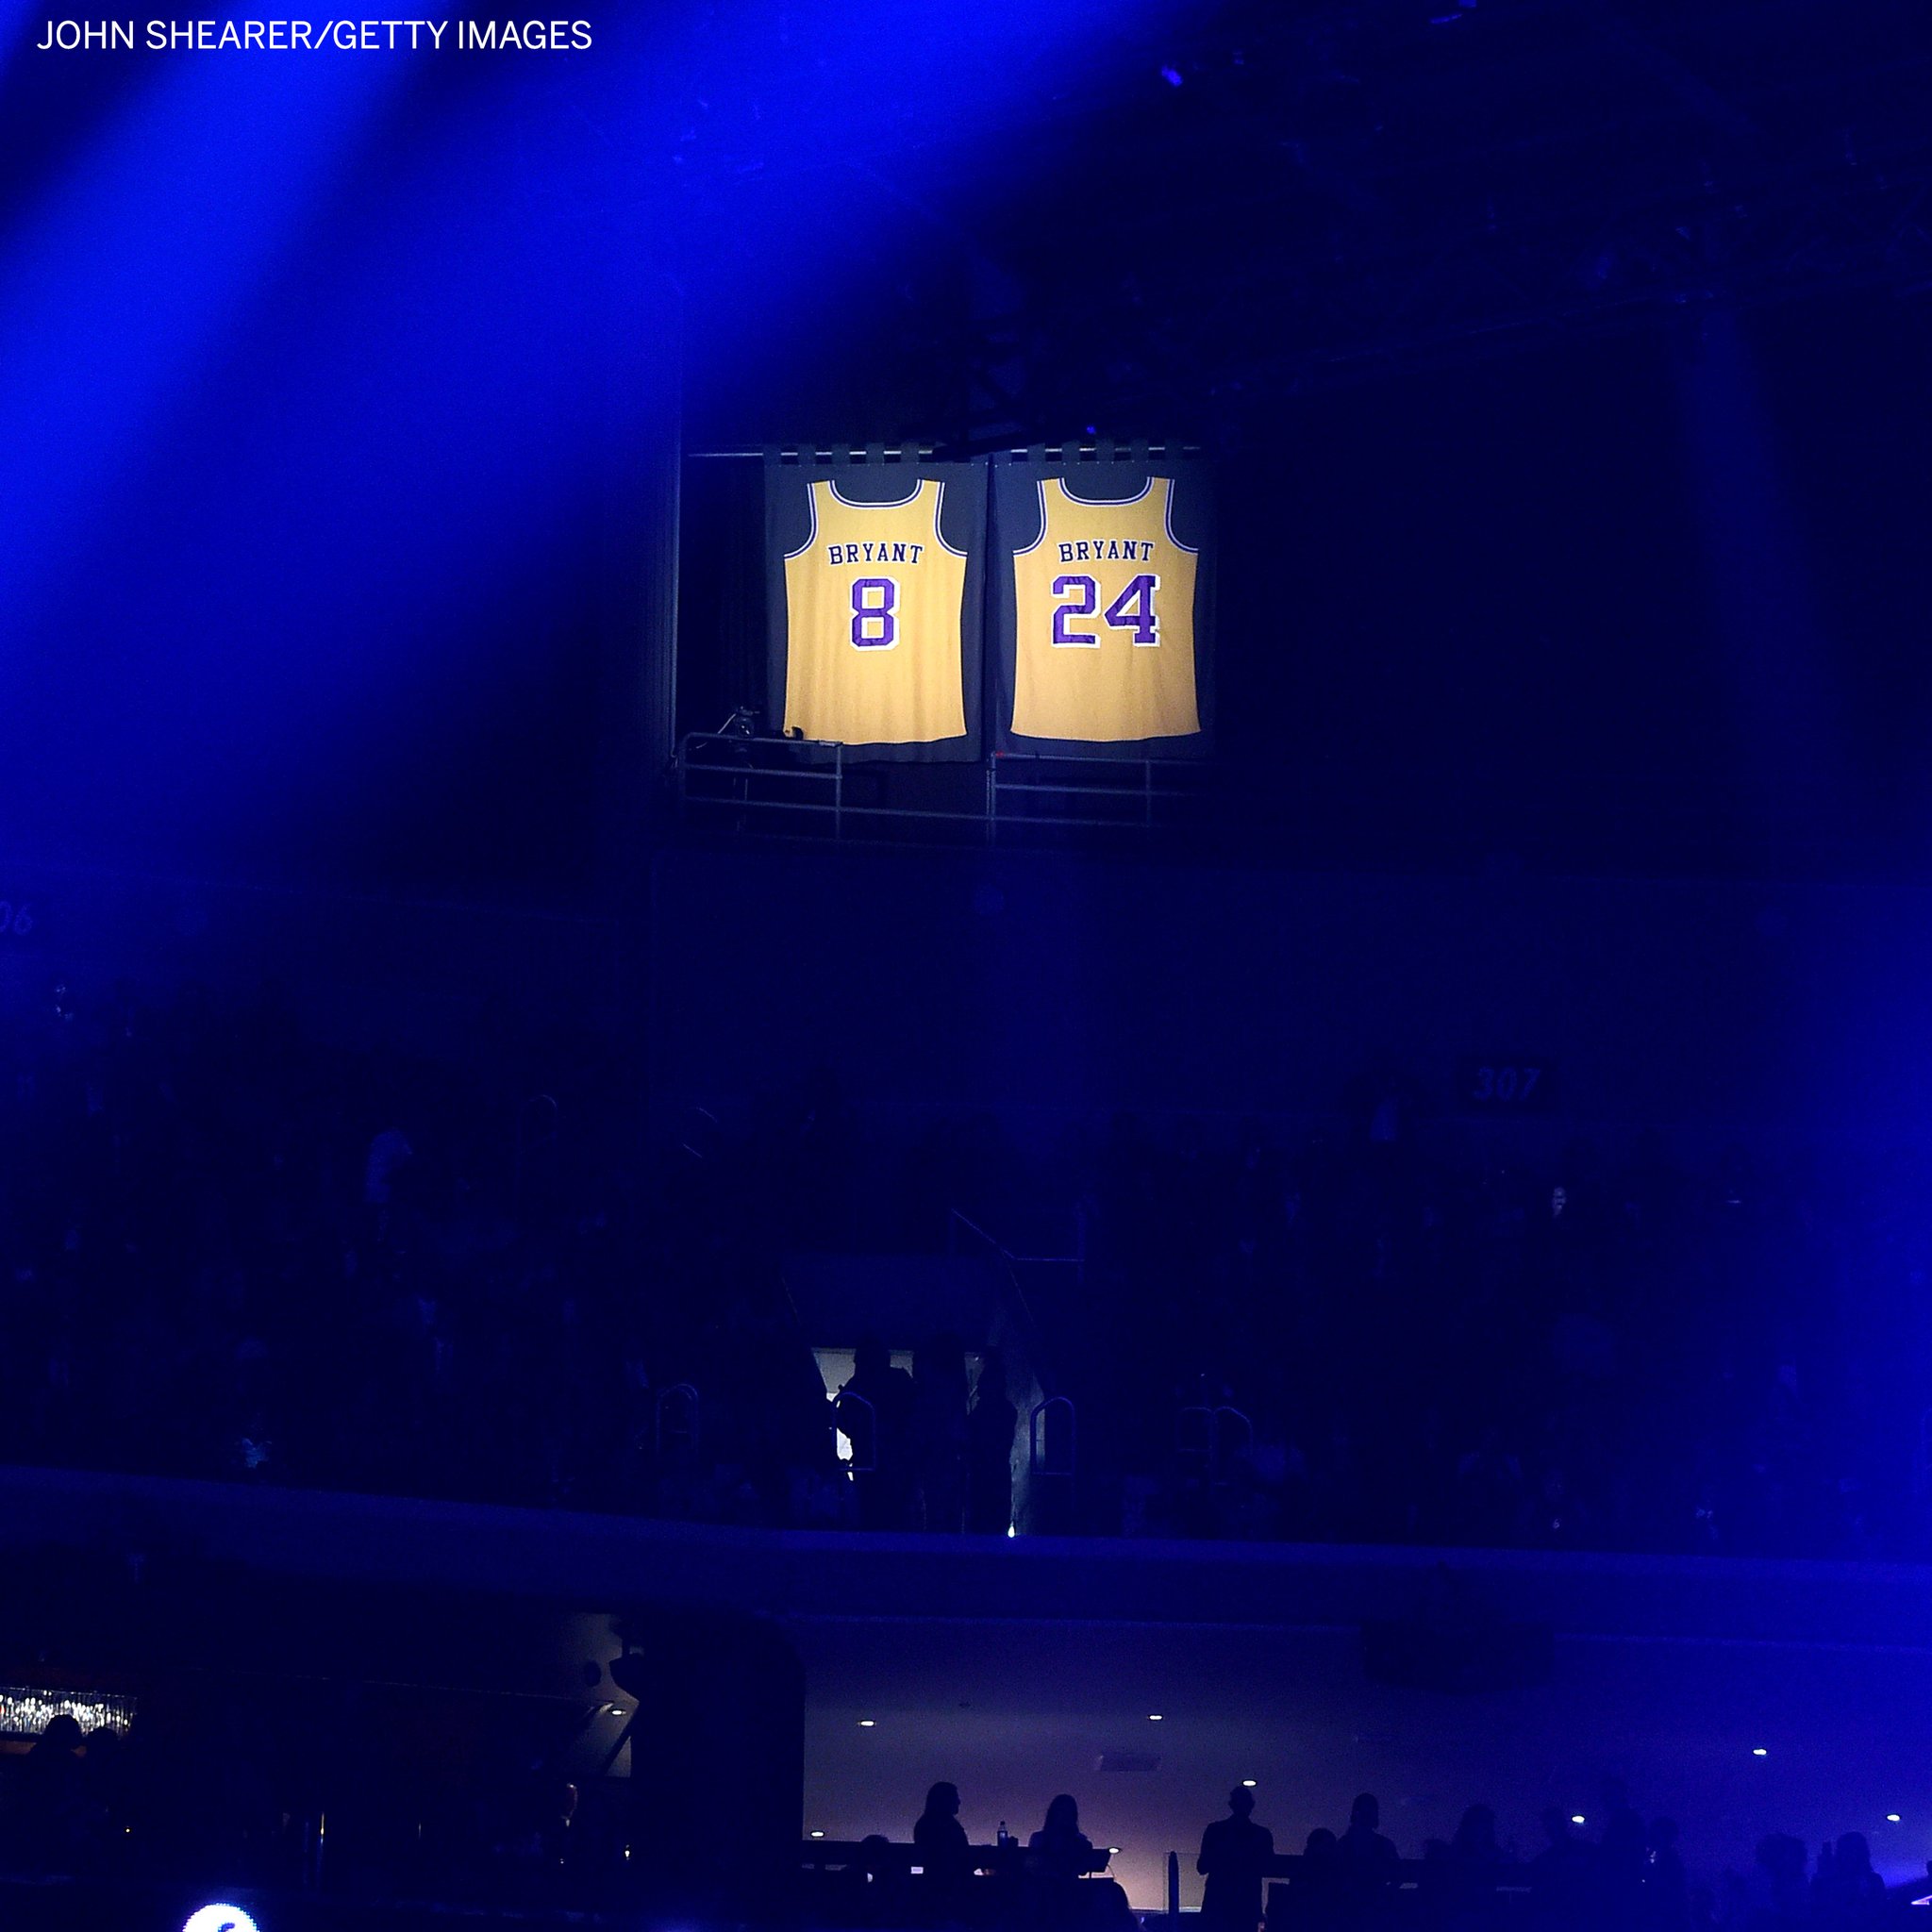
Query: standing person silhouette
(945, 1856)
(874, 1411)
(1234, 1852)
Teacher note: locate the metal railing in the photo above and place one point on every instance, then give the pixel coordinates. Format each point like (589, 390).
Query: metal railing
(1208, 1439)
(803, 788)
(1053, 1464)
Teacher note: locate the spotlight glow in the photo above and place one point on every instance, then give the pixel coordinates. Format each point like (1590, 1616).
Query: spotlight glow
(219, 1917)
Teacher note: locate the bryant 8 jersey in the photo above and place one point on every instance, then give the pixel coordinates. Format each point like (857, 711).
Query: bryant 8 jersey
(873, 600)
(1103, 603)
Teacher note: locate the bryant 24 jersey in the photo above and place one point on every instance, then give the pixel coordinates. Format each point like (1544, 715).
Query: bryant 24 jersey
(875, 600)
(1104, 620)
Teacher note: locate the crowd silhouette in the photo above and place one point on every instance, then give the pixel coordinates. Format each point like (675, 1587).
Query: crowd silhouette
(235, 1250)
(111, 1804)
(1629, 1877)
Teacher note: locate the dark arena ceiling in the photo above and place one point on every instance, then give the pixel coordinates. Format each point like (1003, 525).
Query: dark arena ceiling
(1157, 218)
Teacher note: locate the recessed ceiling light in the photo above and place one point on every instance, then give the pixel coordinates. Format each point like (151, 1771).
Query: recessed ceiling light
(1759, 1751)
(1247, 1784)
(1152, 1717)
(865, 1723)
(1577, 1818)
(1113, 1850)
(818, 1834)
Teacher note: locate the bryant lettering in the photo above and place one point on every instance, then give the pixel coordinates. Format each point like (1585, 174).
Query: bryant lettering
(874, 553)
(1107, 550)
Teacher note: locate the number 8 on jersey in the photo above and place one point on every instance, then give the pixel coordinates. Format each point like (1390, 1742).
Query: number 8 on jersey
(874, 600)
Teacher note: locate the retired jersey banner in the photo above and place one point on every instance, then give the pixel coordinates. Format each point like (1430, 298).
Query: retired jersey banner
(1100, 605)
(877, 582)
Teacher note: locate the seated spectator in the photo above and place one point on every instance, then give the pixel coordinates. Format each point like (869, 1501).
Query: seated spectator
(53, 1813)
(875, 1890)
(1473, 1853)
(1367, 1859)
(1058, 1857)
(1781, 1892)
(1315, 1895)
(1848, 1892)
(1059, 1849)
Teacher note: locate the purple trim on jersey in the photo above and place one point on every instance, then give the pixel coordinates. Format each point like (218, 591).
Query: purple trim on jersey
(1167, 524)
(1108, 502)
(812, 504)
(1039, 489)
(939, 535)
(898, 503)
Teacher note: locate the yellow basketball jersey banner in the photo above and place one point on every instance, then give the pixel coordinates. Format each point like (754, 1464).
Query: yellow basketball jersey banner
(1098, 610)
(877, 588)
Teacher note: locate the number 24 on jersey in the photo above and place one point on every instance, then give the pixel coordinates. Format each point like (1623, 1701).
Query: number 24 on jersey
(1132, 611)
